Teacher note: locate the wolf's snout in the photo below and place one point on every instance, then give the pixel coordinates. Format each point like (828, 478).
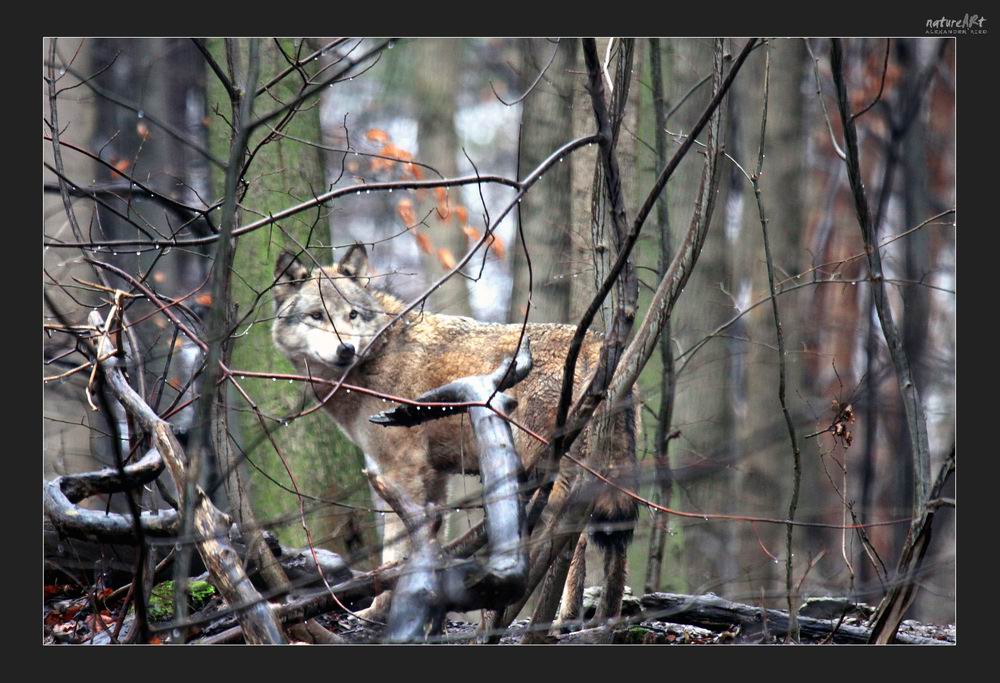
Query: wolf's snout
(345, 353)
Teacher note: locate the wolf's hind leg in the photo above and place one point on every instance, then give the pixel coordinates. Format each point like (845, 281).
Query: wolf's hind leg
(571, 606)
(543, 618)
(611, 528)
(615, 573)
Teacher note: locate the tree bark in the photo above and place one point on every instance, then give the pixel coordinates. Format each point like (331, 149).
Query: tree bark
(546, 212)
(326, 464)
(437, 75)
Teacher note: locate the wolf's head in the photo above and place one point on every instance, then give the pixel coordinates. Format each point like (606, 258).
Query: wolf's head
(325, 317)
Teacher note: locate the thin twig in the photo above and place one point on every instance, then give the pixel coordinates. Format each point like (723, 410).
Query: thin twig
(822, 102)
(793, 627)
(534, 83)
(881, 87)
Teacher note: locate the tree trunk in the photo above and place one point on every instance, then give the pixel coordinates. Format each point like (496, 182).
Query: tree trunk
(703, 406)
(324, 463)
(763, 479)
(546, 212)
(436, 88)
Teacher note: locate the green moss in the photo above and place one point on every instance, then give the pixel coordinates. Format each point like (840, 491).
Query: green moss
(161, 600)
(200, 592)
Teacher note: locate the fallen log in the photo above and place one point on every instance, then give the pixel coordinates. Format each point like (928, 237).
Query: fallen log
(211, 525)
(432, 584)
(711, 611)
(81, 539)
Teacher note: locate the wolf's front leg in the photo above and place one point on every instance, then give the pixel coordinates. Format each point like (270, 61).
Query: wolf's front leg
(391, 532)
(395, 540)
(414, 478)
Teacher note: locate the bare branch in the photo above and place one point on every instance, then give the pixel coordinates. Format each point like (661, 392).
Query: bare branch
(210, 524)
(915, 421)
(793, 626)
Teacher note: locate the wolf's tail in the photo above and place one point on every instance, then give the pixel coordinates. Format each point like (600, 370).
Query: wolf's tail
(613, 520)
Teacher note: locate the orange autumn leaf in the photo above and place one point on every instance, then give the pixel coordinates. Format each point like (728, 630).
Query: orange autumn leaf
(423, 242)
(461, 215)
(405, 210)
(377, 135)
(203, 299)
(443, 209)
(471, 233)
(142, 129)
(391, 151)
(496, 244)
(122, 165)
(446, 258)
(414, 171)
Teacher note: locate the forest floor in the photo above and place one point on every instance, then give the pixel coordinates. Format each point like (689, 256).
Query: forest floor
(643, 632)
(637, 630)
(656, 618)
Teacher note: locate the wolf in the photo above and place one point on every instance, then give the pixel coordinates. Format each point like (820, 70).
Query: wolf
(327, 321)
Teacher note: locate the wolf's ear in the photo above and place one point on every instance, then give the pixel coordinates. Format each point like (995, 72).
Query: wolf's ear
(355, 262)
(289, 274)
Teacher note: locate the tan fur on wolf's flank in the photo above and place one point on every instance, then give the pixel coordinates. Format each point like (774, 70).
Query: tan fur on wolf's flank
(320, 309)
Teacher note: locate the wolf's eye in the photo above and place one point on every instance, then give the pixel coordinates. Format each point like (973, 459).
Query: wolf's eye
(316, 315)
(352, 315)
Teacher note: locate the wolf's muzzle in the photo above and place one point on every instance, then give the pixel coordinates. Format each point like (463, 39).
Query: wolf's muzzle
(345, 353)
